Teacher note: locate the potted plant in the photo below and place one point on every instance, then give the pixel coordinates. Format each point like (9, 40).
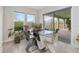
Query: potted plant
(17, 38)
(18, 29)
(10, 34)
(15, 34)
(68, 22)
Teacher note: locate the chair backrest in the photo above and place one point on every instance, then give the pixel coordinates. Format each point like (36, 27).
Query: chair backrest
(36, 35)
(56, 30)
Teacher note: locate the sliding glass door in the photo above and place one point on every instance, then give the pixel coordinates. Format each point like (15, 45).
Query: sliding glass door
(47, 22)
(56, 23)
(51, 22)
(61, 23)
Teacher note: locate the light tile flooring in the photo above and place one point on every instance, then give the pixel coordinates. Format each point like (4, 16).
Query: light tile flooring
(10, 47)
(58, 47)
(61, 47)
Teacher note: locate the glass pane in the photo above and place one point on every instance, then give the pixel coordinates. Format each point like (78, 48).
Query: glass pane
(56, 23)
(48, 22)
(61, 23)
(20, 17)
(19, 21)
(30, 20)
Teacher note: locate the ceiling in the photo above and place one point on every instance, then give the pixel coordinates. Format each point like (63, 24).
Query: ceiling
(62, 13)
(47, 8)
(66, 13)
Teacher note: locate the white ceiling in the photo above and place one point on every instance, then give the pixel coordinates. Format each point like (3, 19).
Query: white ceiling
(66, 13)
(47, 8)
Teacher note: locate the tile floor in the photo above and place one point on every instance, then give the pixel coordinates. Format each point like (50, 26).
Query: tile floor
(10, 47)
(58, 47)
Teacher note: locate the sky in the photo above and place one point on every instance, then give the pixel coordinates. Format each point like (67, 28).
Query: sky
(21, 17)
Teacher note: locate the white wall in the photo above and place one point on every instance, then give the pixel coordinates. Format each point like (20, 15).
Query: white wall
(74, 26)
(9, 16)
(1, 27)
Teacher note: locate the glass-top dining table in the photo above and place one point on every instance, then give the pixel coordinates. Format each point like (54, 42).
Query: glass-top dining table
(46, 33)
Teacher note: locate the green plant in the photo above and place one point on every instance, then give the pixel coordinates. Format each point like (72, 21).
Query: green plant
(68, 22)
(11, 32)
(18, 26)
(18, 37)
(37, 26)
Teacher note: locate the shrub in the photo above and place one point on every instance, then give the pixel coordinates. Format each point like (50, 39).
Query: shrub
(18, 26)
(37, 26)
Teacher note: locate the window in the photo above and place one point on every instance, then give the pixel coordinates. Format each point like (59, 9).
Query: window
(48, 22)
(31, 18)
(20, 17)
(23, 19)
(56, 22)
(61, 23)
(19, 21)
